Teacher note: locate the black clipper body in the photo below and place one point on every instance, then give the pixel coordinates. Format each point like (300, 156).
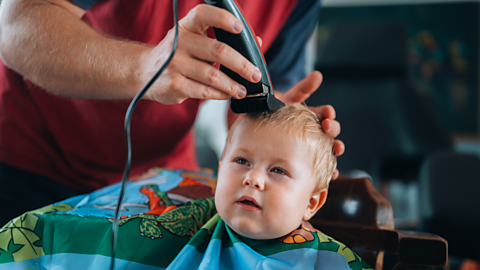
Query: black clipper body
(260, 97)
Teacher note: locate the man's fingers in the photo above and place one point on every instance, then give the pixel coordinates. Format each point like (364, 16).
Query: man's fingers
(303, 89)
(324, 112)
(259, 41)
(195, 44)
(208, 75)
(203, 16)
(186, 88)
(335, 174)
(338, 147)
(198, 90)
(332, 127)
(212, 50)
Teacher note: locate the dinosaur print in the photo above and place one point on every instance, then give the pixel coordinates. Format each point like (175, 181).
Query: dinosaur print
(180, 220)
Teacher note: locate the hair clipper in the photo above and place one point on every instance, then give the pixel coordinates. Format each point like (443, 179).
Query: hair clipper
(260, 96)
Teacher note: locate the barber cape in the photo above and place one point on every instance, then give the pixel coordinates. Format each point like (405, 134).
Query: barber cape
(216, 246)
(168, 221)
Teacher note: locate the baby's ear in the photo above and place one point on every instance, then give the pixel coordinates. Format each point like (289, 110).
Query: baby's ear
(317, 200)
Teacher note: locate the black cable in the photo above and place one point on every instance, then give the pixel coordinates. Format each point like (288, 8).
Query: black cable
(128, 117)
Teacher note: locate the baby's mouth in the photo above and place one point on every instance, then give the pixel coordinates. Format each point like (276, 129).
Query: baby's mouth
(248, 203)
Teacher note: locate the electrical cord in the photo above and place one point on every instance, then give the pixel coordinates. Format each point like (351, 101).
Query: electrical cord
(128, 116)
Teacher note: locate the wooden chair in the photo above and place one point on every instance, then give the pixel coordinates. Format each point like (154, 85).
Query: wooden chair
(357, 215)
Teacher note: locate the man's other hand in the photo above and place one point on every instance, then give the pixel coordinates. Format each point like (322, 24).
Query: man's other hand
(326, 113)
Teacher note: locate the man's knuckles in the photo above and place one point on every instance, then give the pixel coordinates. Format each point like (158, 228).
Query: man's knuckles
(220, 51)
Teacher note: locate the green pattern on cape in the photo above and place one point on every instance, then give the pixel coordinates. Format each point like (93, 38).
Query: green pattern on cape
(20, 239)
(184, 220)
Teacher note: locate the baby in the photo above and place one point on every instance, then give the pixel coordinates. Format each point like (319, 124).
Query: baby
(273, 175)
(274, 165)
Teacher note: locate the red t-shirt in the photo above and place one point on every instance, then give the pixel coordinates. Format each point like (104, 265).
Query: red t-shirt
(80, 143)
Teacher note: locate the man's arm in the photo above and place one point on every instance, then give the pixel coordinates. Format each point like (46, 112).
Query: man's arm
(46, 42)
(69, 6)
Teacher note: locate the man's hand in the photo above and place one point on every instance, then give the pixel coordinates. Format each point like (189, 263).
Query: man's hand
(87, 64)
(191, 73)
(326, 113)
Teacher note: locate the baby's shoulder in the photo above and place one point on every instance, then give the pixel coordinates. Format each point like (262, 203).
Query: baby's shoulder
(325, 244)
(354, 261)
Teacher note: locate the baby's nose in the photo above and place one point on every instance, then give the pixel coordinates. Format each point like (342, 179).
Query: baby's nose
(255, 182)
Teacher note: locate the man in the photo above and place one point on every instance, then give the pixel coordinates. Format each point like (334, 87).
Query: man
(70, 68)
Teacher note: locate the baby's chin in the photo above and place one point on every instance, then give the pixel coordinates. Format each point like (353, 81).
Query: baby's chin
(252, 233)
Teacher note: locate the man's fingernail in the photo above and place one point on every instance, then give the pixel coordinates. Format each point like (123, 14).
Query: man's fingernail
(242, 91)
(257, 75)
(238, 26)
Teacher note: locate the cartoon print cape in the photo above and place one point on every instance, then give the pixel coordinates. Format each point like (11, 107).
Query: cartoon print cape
(166, 216)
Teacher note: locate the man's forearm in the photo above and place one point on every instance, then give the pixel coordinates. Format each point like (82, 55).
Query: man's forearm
(53, 48)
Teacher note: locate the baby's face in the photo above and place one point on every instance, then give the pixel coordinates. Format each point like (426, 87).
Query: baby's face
(265, 182)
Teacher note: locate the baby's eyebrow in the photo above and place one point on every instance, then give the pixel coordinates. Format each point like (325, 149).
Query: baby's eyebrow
(242, 149)
(282, 161)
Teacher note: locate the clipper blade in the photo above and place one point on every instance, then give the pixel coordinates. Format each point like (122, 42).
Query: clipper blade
(256, 104)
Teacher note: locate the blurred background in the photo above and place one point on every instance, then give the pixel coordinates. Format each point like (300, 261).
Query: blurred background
(403, 78)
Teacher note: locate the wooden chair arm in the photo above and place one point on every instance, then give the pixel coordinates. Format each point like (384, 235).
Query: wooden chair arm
(422, 249)
(413, 248)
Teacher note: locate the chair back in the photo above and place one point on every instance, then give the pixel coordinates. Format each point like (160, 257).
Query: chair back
(354, 203)
(449, 200)
(357, 215)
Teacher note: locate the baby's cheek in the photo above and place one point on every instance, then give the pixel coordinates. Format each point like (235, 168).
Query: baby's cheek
(221, 196)
(218, 197)
(291, 215)
(219, 205)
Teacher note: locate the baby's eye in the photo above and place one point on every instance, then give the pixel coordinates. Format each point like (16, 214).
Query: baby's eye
(242, 161)
(278, 170)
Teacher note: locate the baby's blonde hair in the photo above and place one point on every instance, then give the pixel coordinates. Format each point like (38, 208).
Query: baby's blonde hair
(299, 121)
